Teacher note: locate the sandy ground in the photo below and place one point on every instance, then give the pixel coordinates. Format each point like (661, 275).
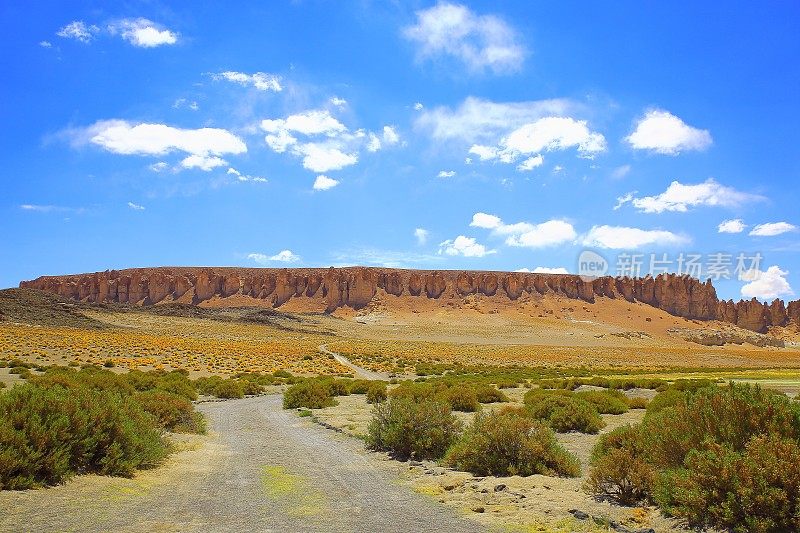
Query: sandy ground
(261, 469)
(501, 502)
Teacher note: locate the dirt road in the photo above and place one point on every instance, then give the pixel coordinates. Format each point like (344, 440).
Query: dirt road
(263, 469)
(358, 372)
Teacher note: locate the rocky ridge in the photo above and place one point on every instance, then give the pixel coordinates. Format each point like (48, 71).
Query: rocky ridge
(355, 287)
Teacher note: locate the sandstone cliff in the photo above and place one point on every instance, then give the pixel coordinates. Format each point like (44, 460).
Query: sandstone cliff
(355, 287)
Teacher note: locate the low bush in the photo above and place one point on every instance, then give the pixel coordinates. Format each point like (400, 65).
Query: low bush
(412, 429)
(564, 413)
(172, 412)
(619, 470)
(376, 393)
(311, 394)
(486, 393)
(221, 388)
(638, 402)
(722, 457)
(360, 386)
(755, 490)
(461, 399)
(48, 434)
(610, 402)
(507, 444)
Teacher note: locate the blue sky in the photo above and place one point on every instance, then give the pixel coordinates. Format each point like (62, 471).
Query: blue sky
(487, 135)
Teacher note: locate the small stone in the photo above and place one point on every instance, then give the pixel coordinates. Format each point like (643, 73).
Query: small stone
(580, 515)
(478, 509)
(499, 488)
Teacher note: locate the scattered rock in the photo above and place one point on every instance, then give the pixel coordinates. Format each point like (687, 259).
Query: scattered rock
(500, 488)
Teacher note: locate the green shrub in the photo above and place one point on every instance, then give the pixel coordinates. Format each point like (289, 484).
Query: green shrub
(461, 399)
(566, 413)
(619, 470)
(311, 394)
(21, 371)
(360, 386)
(638, 402)
(610, 402)
(485, 393)
(48, 434)
(414, 390)
(376, 393)
(664, 399)
(718, 457)
(757, 490)
(508, 444)
(172, 412)
(409, 429)
(221, 388)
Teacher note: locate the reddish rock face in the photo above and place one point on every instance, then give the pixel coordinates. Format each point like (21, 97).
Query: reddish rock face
(356, 287)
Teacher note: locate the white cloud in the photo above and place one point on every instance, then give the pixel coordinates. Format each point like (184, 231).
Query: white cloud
(136, 207)
(38, 208)
(484, 153)
(620, 172)
(45, 44)
(446, 173)
(486, 221)
(142, 32)
(390, 135)
(318, 157)
(338, 102)
(385, 258)
(79, 31)
(260, 80)
(284, 256)
(525, 234)
(679, 197)
(421, 235)
(465, 246)
(313, 122)
(183, 102)
(245, 177)
(625, 238)
(549, 270)
(160, 166)
(476, 120)
(552, 133)
(374, 143)
(323, 183)
(766, 285)
(531, 163)
(548, 233)
(203, 146)
(735, 225)
(770, 229)
(480, 41)
(203, 162)
(664, 133)
(418, 106)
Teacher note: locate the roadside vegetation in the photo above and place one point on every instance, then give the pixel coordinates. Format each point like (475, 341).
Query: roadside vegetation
(725, 457)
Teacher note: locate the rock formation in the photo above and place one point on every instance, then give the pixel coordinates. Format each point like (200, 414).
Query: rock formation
(356, 287)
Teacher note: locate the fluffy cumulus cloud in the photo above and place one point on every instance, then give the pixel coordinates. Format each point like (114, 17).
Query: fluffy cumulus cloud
(136, 207)
(139, 32)
(203, 147)
(323, 183)
(766, 285)
(284, 256)
(549, 270)
(259, 80)
(679, 197)
(770, 229)
(421, 235)
(322, 141)
(664, 133)
(510, 132)
(79, 31)
(142, 32)
(735, 225)
(446, 174)
(480, 121)
(625, 238)
(464, 246)
(525, 234)
(481, 42)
